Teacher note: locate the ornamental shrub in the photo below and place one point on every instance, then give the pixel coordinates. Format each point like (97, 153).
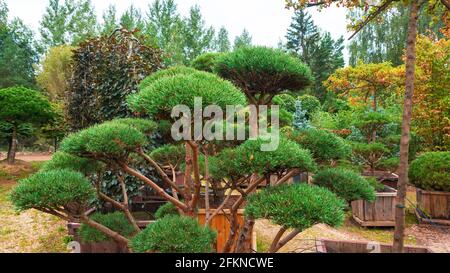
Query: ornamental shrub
(53, 190)
(174, 234)
(323, 144)
(263, 70)
(169, 72)
(431, 171)
(114, 138)
(168, 209)
(285, 101)
(289, 155)
(347, 184)
(115, 221)
(298, 206)
(310, 104)
(369, 154)
(159, 98)
(389, 164)
(105, 70)
(299, 119)
(61, 160)
(206, 62)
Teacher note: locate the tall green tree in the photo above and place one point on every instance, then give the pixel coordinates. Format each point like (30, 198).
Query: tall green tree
(384, 40)
(110, 22)
(318, 50)
(222, 41)
(302, 36)
(198, 37)
(245, 39)
(18, 53)
(165, 25)
(326, 58)
(67, 22)
(132, 19)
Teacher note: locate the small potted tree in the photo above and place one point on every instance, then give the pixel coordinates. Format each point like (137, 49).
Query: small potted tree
(430, 173)
(372, 203)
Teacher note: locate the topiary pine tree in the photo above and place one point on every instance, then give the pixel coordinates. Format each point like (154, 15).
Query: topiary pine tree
(21, 106)
(263, 72)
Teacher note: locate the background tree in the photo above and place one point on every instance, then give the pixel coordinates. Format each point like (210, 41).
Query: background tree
(55, 71)
(243, 40)
(67, 22)
(18, 53)
(197, 36)
(222, 41)
(132, 19)
(318, 50)
(105, 71)
(22, 106)
(165, 24)
(302, 36)
(364, 82)
(431, 115)
(383, 40)
(110, 22)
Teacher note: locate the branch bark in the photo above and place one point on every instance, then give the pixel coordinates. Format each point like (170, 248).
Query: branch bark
(277, 239)
(108, 232)
(154, 186)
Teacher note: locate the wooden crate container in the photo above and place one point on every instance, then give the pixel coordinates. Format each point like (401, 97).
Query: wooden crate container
(436, 205)
(221, 225)
(342, 246)
(380, 213)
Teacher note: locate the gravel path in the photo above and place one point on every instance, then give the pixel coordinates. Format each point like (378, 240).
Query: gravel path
(435, 238)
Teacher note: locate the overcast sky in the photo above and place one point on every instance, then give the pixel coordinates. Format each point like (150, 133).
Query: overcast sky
(266, 20)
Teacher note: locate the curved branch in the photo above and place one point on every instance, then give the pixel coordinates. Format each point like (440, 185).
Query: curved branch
(108, 232)
(160, 171)
(154, 186)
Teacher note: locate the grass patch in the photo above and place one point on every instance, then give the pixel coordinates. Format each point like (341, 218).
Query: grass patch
(262, 245)
(37, 165)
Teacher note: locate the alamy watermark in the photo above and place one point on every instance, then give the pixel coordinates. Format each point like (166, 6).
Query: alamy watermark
(211, 123)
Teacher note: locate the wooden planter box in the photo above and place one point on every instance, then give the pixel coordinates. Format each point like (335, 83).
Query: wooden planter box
(436, 205)
(380, 213)
(103, 247)
(338, 246)
(221, 224)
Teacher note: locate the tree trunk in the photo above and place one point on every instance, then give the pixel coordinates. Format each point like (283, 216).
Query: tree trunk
(243, 244)
(12, 146)
(406, 124)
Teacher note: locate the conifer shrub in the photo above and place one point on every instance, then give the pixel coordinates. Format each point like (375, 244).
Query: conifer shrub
(298, 206)
(347, 184)
(431, 171)
(115, 221)
(174, 234)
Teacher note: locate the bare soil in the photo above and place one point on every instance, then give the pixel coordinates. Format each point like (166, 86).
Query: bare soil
(29, 157)
(30, 231)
